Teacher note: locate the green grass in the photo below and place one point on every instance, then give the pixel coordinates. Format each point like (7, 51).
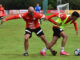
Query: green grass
(12, 42)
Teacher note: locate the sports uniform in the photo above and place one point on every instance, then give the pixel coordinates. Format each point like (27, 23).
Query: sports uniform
(64, 21)
(2, 13)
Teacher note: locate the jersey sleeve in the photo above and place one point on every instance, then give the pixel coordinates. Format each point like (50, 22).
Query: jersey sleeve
(62, 16)
(40, 16)
(75, 25)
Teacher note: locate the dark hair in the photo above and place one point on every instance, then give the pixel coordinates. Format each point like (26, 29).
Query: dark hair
(75, 14)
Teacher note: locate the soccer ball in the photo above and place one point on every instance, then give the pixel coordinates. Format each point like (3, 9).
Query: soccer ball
(77, 52)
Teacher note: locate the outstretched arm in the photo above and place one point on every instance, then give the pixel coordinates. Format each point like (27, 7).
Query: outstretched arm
(53, 15)
(12, 17)
(76, 28)
(52, 21)
(49, 19)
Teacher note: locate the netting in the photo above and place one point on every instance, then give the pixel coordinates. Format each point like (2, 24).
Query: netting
(63, 8)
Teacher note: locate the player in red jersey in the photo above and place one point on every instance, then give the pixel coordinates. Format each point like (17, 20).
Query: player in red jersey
(32, 25)
(63, 20)
(2, 13)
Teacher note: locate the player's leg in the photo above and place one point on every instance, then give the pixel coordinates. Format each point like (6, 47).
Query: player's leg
(44, 40)
(43, 52)
(46, 43)
(1, 18)
(53, 42)
(40, 34)
(55, 38)
(64, 36)
(28, 34)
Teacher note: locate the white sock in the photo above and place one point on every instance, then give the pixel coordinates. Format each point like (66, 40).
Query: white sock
(26, 51)
(44, 49)
(62, 49)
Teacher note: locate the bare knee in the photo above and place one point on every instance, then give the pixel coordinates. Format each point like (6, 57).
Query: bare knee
(65, 37)
(27, 37)
(52, 43)
(42, 37)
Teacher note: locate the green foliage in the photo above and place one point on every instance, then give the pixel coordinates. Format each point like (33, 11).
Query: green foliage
(24, 4)
(52, 3)
(50, 6)
(75, 4)
(19, 4)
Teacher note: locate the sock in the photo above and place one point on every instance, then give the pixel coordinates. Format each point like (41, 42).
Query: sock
(44, 49)
(26, 51)
(62, 49)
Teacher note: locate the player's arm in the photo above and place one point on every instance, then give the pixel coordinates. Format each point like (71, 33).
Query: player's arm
(53, 15)
(52, 21)
(76, 28)
(46, 18)
(10, 18)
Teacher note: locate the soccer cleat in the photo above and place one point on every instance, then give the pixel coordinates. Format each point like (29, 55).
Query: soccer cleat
(64, 53)
(53, 52)
(43, 53)
(25, 54)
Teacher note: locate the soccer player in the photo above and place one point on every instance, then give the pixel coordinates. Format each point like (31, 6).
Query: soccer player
(2, 12)
(37, 9)
(32, 25)
(63, 20)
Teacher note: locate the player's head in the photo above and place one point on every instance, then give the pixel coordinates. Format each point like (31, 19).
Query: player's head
(37, 4)
(0, 5)
(31, 10)
(75, 15)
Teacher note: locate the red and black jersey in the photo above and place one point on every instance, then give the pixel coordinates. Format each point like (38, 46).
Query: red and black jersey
(2, 13)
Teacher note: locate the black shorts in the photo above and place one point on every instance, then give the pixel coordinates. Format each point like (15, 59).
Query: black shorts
(57, 31)
(38, 31)
(1, 18)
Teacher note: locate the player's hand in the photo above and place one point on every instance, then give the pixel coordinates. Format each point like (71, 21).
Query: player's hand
(45, 18)
(58, 24)
(76, 32)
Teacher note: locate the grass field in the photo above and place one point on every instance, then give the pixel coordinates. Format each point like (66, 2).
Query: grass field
(12, 42)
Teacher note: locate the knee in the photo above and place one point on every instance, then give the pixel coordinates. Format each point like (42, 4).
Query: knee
(42, 37)
(26, 38)
(65, 37)
(52, 43)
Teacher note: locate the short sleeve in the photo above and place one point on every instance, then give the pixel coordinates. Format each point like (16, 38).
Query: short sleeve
(41, 16)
